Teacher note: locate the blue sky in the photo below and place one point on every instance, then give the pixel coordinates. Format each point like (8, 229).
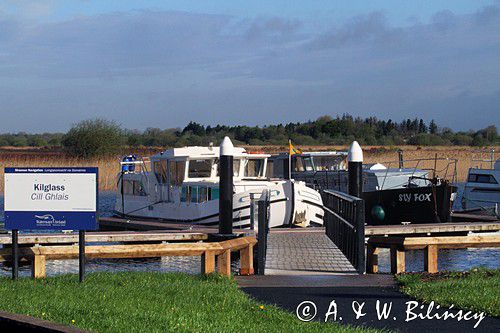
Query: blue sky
(165, 63)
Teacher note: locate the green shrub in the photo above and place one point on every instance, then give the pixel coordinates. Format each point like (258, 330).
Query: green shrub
(93, 138)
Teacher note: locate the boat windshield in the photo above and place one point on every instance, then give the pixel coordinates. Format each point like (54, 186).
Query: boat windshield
(302, 163)
(254, 167)
(200, 168)
(328, 163)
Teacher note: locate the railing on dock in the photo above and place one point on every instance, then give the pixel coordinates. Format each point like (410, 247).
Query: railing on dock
(345, 225)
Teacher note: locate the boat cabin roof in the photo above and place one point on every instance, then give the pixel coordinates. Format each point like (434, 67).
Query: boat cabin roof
(331, 153)
(198, 152)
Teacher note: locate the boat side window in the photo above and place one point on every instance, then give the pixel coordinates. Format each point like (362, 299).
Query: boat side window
(270, 169)
(236, 167)
(164, 171)
(180, 166)
(186, 194)
(133, 187)
(203, 194)
(485, 179)
(254, 168)
(196, 194)
(160, 169)
(176, 172)
(200, 168)
(308, 165)
(297, 164)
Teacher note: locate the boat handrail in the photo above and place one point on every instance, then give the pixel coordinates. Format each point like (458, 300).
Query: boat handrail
(448, 171)
(482, 159)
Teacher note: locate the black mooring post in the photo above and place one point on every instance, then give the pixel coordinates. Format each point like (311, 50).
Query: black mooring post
(262, 236)
(81, 255)
(400, 155)
(226, 187)
(15, 254)
(355, 168)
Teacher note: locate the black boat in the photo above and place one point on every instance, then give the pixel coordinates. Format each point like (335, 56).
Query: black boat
(411, 192)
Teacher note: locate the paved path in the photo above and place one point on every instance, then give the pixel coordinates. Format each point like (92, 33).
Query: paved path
(290, 291)
(303, 251)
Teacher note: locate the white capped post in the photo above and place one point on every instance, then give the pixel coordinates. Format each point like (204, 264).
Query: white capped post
(355, 169)
(226, 187)
(226, 147)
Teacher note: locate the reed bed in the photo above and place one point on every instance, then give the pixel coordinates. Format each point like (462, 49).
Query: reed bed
(389, 156)
(109, 167)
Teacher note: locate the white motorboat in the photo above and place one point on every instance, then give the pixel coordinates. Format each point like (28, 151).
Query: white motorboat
(482, 188)
(181, 185)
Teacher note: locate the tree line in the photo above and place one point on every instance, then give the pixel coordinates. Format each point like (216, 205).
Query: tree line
(99, 136)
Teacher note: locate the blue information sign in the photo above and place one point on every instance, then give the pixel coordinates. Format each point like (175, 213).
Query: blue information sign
(51, 198)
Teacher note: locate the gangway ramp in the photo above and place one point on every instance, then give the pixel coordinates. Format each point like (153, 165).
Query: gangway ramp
(304, 251)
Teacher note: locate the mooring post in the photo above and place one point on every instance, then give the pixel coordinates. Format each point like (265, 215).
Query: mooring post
(262, 236)
(226, 187)
(401, 161)
(355, 168)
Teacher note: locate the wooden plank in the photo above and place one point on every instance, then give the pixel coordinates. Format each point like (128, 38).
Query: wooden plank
(431, 228)
(91, 237)
(456, 241)
(128, 251)
(431, 259)
(416, 243)
(238, 243)
(224, 263)
(38, 267)
(246, 260)
(208, 262)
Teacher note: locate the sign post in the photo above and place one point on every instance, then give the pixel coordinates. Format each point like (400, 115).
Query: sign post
(15, 255)
(81, 255)
(51, 199)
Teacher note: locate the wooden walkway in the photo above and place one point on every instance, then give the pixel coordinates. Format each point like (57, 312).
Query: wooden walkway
(432, 228)
(304, 252)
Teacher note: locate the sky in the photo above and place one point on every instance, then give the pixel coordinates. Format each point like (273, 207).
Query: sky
(165, 63)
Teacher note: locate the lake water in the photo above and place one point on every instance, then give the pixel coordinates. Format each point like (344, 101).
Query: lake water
(453, 260)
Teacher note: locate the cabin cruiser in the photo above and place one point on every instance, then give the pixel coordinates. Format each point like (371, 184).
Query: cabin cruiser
(482, 189)
(393, 195)
(181, 185)
(328, 170)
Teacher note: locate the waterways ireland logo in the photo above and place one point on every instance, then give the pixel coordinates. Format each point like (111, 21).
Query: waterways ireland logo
(47, 220)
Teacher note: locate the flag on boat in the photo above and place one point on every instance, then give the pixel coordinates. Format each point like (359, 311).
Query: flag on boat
(293, 150)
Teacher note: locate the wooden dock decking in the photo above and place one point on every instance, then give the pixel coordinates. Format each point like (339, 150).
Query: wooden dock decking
(107, 236)
(432, 228)
(304, 252)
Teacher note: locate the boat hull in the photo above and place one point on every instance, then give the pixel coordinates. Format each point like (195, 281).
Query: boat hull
(426, 204)
(290, 204)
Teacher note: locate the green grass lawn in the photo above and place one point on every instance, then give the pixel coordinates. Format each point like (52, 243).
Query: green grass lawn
(150, 302)
(477, 290)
